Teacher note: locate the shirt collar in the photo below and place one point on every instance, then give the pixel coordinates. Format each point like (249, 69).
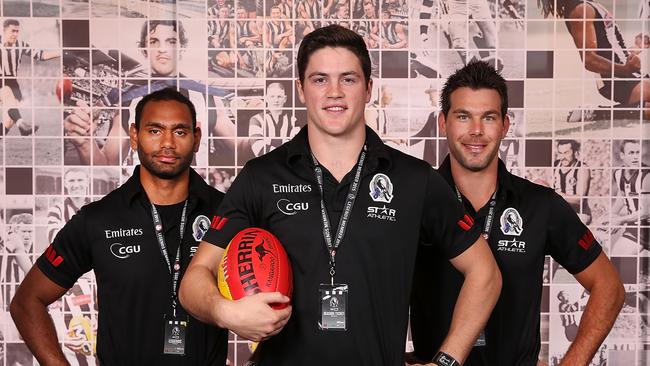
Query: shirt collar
(504, 177)
(378, 154)
(133, 186)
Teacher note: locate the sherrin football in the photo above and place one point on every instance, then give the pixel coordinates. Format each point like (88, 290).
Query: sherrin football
(254, 261)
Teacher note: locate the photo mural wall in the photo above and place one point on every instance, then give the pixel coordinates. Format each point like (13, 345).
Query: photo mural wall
(73, 71)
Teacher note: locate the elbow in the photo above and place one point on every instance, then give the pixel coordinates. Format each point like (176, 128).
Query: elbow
(182, 293)
(18, 306)
(620, 297)
(497, 281)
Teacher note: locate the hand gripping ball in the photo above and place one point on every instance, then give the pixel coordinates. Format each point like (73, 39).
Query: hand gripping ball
(254, 261)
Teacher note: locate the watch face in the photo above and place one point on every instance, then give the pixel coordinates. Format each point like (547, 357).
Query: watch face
(444, 359)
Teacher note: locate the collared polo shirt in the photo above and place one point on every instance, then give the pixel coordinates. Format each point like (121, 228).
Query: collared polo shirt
(530, 222)
(279, 192)
(115, 237)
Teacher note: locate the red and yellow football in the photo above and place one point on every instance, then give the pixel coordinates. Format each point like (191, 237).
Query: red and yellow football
(254, 261)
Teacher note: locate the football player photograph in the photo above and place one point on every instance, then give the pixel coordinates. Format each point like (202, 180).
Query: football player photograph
(630, 212)
(145, 249)
(248, 33)
(12, 51)
(572, 177)
(278, 32)
(161, 43)
(363, 206)
(275, 125)
(602, 48)
(523, 222)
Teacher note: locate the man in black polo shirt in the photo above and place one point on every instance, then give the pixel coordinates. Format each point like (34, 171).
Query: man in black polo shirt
(138, 239)
(525, 222)
(336, 172)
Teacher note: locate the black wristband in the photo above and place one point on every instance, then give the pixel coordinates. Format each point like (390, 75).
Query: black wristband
(443, 359)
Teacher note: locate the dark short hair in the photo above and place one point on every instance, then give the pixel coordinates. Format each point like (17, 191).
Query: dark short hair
(549, 8)
(150, 26)
(164, 95)
(333, 36)
(476, 75)
(625, 142)
(575, 145)
(9, 22)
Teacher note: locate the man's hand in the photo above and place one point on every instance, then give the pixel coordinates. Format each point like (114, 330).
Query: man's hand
(253, 318)
(14, 243)
(77, 124)
(633, 64)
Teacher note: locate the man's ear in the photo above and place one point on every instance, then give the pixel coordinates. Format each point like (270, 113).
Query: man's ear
(133, 137)
(197, 136)
(442, 124)
(301, 96)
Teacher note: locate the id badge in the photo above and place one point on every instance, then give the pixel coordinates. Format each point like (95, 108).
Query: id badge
(480, 341)
(333, 306)
(175, 332)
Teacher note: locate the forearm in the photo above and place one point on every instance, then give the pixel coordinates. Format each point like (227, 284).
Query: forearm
(23, 262)
(475, 302)
(597, 320)
(600, 65)
(37, 330)
(200, 296)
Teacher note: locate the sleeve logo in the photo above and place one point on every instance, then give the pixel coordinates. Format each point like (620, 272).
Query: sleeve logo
(50, 254)
(466, 222)
(218, 222)
(587, 240)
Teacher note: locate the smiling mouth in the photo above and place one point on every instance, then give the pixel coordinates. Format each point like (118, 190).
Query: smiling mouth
(335, 109)
(475, 148)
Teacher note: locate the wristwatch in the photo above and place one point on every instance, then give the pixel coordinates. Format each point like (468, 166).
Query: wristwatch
(443, 359)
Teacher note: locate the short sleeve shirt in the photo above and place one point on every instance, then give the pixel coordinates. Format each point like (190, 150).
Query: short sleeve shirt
(115, 237)
(279, 192)
(530, 222)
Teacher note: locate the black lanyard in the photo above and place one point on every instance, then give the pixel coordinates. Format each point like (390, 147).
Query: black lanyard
(175, 271)
(490, 217)
(347, 210)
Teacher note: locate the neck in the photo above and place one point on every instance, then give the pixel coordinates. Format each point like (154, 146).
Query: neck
(165, 191)
(477, 187)
(338, 154)
(78, 201)
(275, 113)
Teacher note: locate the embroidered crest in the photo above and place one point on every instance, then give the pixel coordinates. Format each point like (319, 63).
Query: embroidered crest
(200, 227)
(381, 188)
(511, 222)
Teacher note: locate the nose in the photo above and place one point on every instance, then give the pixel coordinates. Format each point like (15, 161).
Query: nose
(476, 127)
(334, 89)
(167, 140)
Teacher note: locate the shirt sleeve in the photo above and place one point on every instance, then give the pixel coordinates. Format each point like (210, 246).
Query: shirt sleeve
(571, 243)
(235, 212)
(69, 255)
(445, 222)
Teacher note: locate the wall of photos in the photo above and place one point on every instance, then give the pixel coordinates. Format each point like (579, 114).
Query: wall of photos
(78, 68)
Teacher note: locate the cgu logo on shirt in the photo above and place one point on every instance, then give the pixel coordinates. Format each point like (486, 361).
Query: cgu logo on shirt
(122, 251)
(291, 208)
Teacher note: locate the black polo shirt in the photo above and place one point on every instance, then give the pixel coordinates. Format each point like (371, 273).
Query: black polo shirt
(115, 237)
(278, 191)
(530, 222)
